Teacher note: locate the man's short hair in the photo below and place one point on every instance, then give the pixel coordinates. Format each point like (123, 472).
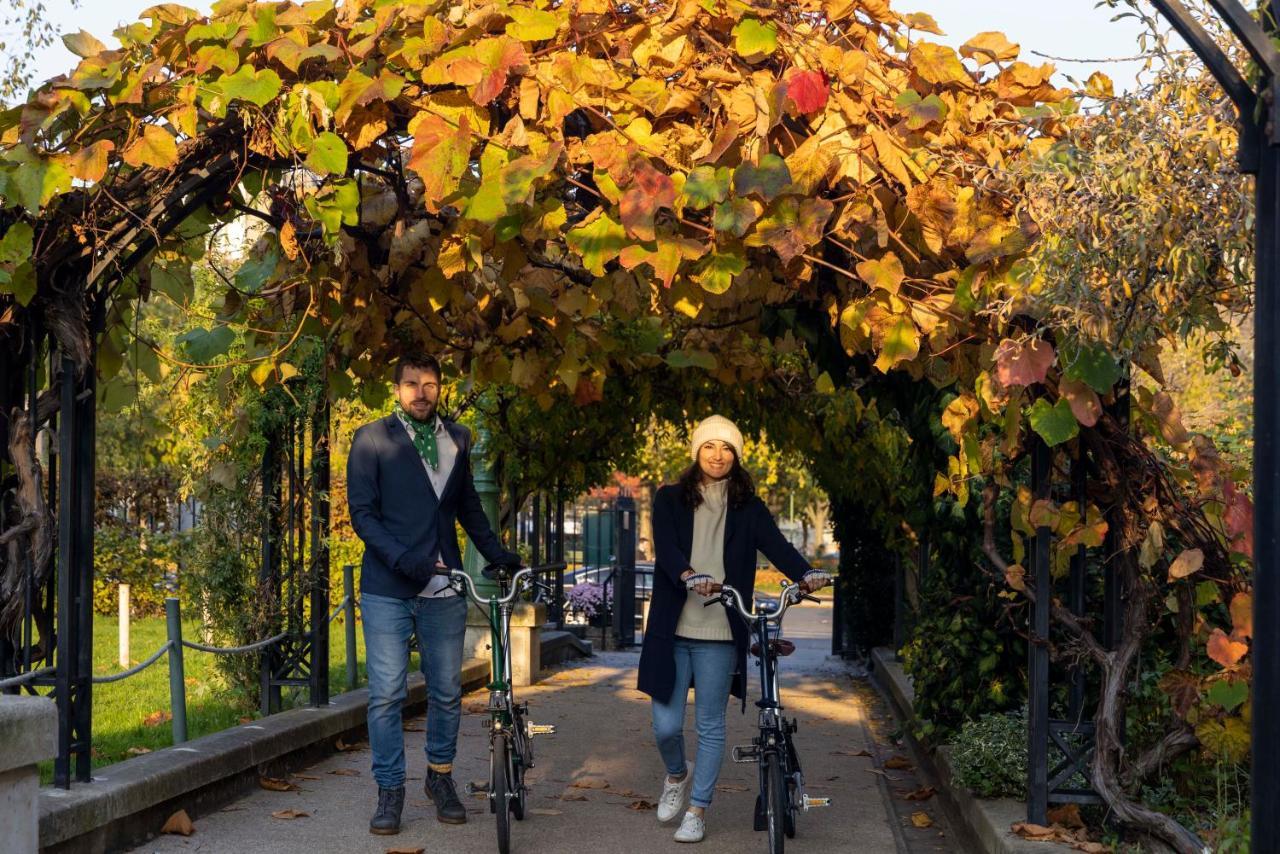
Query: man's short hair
(421, 361)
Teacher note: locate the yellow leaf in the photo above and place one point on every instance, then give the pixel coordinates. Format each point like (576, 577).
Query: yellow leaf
(155, 147)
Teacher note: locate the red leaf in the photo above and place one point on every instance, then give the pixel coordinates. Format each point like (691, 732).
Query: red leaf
(1085, 405)
(1225, 650)
(807, 90)
(1238, 518)
(650, 190)
(1022, 363)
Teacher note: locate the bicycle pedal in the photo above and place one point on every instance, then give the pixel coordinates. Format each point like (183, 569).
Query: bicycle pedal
(812, 803)
(540, 729)
(745, 754)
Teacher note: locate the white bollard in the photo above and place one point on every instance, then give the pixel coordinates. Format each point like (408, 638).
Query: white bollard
(124, 626)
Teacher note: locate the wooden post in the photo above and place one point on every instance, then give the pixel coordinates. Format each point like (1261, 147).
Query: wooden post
(124, 626)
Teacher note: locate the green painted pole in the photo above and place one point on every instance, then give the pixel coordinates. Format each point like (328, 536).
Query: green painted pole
(349, 621)
(487, 489)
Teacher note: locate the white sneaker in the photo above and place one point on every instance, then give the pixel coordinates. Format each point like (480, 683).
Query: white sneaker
(675, 796)
(692, 829)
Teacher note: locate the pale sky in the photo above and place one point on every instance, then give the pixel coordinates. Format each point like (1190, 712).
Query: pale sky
(1067, 28)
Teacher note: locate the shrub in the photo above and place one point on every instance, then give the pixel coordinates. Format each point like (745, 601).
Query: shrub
(990, 755)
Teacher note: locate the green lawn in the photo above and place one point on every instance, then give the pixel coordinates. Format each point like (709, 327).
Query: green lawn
(120, 709)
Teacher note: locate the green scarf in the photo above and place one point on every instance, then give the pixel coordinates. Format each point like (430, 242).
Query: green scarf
(424, 436)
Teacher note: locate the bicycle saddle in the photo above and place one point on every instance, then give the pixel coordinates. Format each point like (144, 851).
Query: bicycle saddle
(778, 646)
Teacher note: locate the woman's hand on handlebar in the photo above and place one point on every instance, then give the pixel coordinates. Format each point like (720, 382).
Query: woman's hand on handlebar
(700, 583)
(814, 580)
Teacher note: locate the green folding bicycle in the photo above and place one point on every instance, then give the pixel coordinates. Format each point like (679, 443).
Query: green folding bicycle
(510, 731)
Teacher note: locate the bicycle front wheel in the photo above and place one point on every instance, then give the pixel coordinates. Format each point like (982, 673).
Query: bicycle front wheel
(500, 792)
(775, 804)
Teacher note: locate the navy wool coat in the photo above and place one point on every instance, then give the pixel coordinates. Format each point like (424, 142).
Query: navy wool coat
(748, 529)
(395, 511)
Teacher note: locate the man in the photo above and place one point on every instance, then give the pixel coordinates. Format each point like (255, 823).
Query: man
(408, 480)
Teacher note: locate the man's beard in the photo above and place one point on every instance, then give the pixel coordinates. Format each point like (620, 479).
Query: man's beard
(428, 414)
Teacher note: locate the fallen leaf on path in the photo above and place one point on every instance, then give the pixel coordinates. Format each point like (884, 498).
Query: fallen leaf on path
(304, 777)
(246, 719)
(276, 785)
(413, 728)
(590, 783)
(1038, 832)
(343, 746)
(179, 823)
(157, 718)
(345, 772)
(626, 793)
(850, 753)
(1067, 815)
(477, 708)
(570, 795)
(921, 819)
(730, 787)
(406, 849)
(898, 762)
(923, 793)
(290, 814)
(642, 805)
(138, 751)
(541, 811)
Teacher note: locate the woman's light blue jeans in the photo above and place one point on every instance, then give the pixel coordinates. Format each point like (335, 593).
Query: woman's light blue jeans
(708, 665)
(440, 624)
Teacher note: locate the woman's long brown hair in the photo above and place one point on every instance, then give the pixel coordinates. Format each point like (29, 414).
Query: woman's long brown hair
(742, 488)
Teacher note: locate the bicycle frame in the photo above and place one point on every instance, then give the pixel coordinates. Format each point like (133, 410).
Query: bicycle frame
(773, 746)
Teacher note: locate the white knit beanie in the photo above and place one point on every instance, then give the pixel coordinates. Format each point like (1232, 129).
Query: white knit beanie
(716, 428)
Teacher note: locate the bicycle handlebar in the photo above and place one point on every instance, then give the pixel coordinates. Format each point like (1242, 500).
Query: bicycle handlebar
(518, 581)
(731, 598)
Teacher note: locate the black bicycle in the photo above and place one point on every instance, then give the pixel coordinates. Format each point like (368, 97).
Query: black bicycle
(782, 797)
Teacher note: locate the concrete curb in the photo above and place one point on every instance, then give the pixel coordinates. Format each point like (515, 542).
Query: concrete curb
(985, 821)
(126, 803)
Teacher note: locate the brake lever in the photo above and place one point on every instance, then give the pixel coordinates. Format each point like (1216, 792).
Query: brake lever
(810, 597)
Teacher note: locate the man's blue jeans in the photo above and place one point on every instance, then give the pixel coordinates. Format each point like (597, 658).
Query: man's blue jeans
(389, 623)
(708, 665)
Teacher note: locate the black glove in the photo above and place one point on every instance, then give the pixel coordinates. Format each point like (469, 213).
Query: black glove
(417, 566)
(509, 559)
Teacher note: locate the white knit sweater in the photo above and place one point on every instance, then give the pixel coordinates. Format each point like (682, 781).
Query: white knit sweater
(707, 557)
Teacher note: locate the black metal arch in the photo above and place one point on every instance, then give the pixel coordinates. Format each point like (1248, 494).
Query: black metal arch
(1260, 156)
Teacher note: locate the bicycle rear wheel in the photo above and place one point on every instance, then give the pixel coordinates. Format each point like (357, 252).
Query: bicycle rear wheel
(775, 804)
(500, 793)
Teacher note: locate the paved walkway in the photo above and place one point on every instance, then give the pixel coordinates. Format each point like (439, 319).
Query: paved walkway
(596, 778)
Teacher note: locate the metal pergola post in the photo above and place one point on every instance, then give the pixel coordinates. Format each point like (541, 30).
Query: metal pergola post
(1259, 155)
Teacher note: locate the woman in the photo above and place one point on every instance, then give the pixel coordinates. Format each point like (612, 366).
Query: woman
(706, 531)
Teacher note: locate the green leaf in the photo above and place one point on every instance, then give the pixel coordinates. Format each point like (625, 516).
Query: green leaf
(1228, 693)
(716, 271)
(335, 206)
(766, 179)
(1055, 424)
(706, 186)
(15, 246)
(174, 281)
(205, 345)
(754, 40)
(36, 181)
(257, 270)
(792, 226)
(486, 205)
(328, 155)
(597, 240)
(682, 359)
(735, 216)
(1090, 363)
(884, 272)
(256, 87)
(824, 385)
(517, 177)
(921, 111)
